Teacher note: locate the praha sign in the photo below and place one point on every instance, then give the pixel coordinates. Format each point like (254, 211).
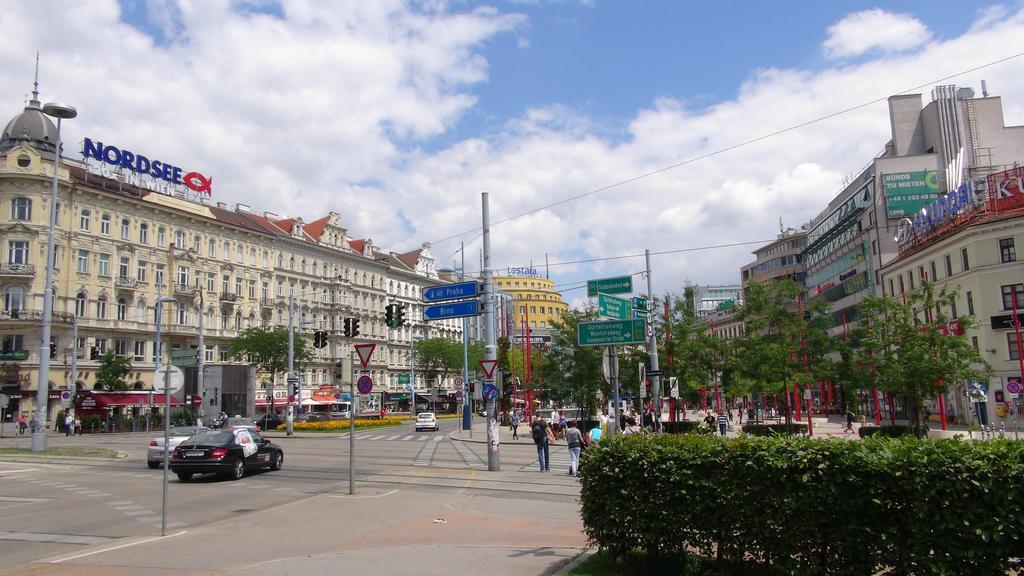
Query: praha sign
(142, 169)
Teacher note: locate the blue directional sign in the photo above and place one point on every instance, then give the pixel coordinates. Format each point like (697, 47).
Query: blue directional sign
(452, 310)
(490, 391)
(451, 292)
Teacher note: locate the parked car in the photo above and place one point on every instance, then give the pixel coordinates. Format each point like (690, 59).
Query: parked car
(242, 424)
(426, 421)
(175, 435)
(269, 421)
(228, 452)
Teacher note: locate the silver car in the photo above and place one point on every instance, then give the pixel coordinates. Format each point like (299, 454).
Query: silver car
(176, 435)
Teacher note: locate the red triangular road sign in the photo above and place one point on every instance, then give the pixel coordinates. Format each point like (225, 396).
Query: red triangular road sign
(488, 366)
(365, 351)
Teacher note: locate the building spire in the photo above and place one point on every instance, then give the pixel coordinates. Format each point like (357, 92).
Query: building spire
(35, 85)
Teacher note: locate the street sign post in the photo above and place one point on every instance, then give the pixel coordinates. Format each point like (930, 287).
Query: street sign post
(617, 285)
(364, 351)
(612, 332)
(490, 391)
(184, 357)
(169, 377)
(488, 367)
(613, 307)
(452, 310)
(641, 304)
(451, 292)
(364, 384)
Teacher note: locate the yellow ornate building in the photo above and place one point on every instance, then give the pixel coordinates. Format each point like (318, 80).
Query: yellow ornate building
(534, 300)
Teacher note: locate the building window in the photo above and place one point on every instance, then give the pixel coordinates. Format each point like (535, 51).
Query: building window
(161, 236)
(1007, 253)
(227, 251)
(970, 303)
(265, 291)
(80, 305)
(101, 307)
(122, 266)
(252, 289)
(21, 209)
(240, 254)
(935, 275)
(211, 278)
(874, 246)
(101, 346)
(183, 276)
(252, 256)
(83, 262)
(211, 248)
(143, 233)
(83, 223)
(104, 265)
(209, 354)
(121, 347)
(17, 252)
(140, 271)
(197, 245)
(238, 286)
(14, 300)
(225, 282)
(1008, 292)
(140, 351)
(179, 239)
(949, 266)
(122, 309)
(125, 229)
(910, 278)
(182, 313)
(964, 260)
(952, 309)
(158, 275)
(891, 291)
(105, 224)
(1011, 345)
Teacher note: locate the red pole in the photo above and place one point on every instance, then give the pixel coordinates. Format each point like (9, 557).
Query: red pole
(1016, 327)
(668, 337)
(878, 412)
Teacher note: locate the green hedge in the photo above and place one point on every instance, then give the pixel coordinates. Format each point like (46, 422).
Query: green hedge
(809, 506)
(891, 431)
(680, 427)
(774, 429)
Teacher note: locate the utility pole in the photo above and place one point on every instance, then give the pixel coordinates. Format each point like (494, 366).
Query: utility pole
(652, 348)
(291, 359)
(74, 362)
(491, 345)
(467, 400)
(201, 359)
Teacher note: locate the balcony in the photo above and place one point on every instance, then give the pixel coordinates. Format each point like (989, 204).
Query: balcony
(228, 297)
(126, 283)
(185, 290)
(34, 316)
(268, 302)
(18, 270)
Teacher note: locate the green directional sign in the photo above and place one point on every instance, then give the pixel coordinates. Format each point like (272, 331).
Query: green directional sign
(612, 307)
(612, 332)
(403, 379)
(619, 285)
(184, 357)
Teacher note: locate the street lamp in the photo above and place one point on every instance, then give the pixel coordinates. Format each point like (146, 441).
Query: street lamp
(412, 370)
(60, 112)
(167, 411)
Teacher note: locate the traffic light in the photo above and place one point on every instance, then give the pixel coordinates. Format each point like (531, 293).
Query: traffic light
(339, 371)
(389, 315)
(53, 348)
(355, 327)
(399, 315)
(348, 328)
(320, 339)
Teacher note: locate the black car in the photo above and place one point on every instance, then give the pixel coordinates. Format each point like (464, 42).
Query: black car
(227, 452)
(269, 421)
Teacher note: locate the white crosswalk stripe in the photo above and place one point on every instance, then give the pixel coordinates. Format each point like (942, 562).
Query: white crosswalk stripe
(558, 460)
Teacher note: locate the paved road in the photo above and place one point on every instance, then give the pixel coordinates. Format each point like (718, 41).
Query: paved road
(424, 503)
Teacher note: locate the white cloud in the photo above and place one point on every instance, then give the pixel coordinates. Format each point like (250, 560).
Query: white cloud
(325, 110)
(874, 29)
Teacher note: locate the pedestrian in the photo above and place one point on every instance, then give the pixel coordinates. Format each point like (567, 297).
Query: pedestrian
(515, 425)
(22, 424)
(542, 437)
(849, 422)
(34, 423)
(648, 418)
(603, 420)
(723, 423)
(574, 439)
(69, 425)
(631, 427)
(78, 426)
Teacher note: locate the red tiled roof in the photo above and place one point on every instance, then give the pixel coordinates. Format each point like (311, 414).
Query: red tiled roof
(316, 228)
(410, 258)
(357, 245)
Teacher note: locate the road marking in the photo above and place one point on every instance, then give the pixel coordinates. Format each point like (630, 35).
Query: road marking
(426, 454)
(120, 502)
(19, 471)
(57, 538)
(139, 513)
(20, 499)
(111, 549)
(100, 495)
(353, 497)
(408, 438)
(129, 507)
(65, 485)
(468, 456)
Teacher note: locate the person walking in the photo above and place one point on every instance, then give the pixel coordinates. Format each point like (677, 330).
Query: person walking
(34, 423)
(849, 422)
(515, 425)
(723, 423)
(69, 425)
(542, 437)
(78, 426)
(574, 438)
(22, 424)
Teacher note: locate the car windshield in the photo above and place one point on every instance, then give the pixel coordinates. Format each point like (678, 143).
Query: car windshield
(183, 430)
(426, 416)
(213, 437)
(241, 421)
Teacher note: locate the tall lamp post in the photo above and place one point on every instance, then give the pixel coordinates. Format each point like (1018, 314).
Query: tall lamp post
(60, 112)
(167, 411)
(413, 337)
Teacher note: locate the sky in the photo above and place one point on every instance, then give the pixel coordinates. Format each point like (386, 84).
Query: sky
(597, 128)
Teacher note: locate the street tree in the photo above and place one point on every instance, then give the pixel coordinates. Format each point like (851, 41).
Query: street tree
(267, 350)
(572, 374)
(113, 372)
(909, 348)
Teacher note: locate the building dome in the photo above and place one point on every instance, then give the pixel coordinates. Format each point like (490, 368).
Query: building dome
(30, 127)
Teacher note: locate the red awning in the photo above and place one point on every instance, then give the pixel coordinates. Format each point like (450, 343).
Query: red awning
(105, 400)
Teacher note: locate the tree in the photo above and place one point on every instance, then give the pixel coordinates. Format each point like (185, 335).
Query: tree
(571, 373)
(908, 349)
(113, 371)
(442, 358)
(267, 350)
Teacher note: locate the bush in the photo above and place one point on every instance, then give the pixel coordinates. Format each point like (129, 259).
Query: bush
(343, 425)
(680, 427)
(91, 422)
(806, 506)
(774, 429)
(891, 431)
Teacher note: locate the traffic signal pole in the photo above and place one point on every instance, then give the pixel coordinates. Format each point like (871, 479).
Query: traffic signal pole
(291, 359)
(491, 343)
(652, 350)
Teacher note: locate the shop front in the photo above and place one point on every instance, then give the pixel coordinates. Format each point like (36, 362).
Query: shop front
(121, 411)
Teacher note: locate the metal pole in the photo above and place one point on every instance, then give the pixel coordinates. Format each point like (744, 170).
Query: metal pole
(298, 384)
(652, 349)
(167, 415)
(467, 401)
(490, 348)
(412, 370)
(43, 388)
(201, 359)
(291, 358)
(74, 362)
(352, 429)
(613, 368)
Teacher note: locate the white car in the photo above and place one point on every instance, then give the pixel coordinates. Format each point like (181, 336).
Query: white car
(426, 421)
(176, 435)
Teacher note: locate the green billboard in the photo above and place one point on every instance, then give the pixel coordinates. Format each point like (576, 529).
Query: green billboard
(907, 192)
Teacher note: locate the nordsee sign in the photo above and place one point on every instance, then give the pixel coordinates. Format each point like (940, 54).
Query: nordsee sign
(451, 292)
(144, 166)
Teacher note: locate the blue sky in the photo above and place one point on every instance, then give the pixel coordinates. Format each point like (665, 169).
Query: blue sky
(398, 115)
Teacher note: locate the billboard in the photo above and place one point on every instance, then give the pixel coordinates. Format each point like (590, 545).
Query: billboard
(907, 192)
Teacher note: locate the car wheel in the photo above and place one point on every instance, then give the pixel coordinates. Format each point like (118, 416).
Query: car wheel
(238, 470)
(276, 461)
(184, 476)
(153, 464)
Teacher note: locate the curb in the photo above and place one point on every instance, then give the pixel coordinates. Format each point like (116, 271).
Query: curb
(573, 563)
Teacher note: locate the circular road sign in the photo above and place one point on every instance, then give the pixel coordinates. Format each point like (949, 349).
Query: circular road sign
(490, 391)
(458, 381)
(364, 384)
(173, 375)
(1013, 387)
(65, 395)
(337, 395)
(458, 394)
